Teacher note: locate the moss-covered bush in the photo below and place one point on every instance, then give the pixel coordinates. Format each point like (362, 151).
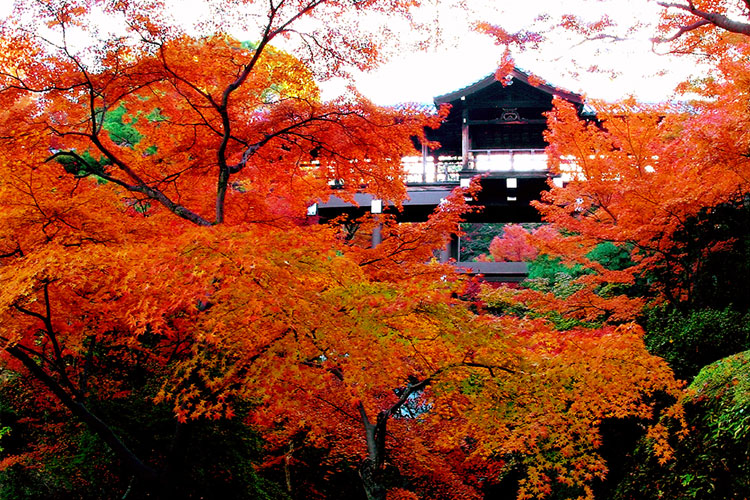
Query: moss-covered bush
(713, 461)
(689, 341)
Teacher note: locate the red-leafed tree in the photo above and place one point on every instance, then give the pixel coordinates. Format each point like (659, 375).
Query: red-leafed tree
(638, 176)
(516, 244)
(662, 186)
(152, 208)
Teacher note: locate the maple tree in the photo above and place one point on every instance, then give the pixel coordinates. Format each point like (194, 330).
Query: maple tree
(153, 202)
(637, 177)
(665, 186)
(87, 206)
(640, 176)
(515, 243)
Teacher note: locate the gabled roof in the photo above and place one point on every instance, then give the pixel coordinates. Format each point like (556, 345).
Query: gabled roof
(516, 74)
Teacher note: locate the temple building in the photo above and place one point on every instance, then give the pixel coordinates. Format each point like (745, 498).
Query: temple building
(494, 128)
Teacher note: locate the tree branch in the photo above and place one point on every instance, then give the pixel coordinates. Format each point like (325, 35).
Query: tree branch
(46, 319)
(372, 448)
(16, 252)
(140, 186)
(131, 461)
(707, 18)
(682, 31)
(269, 32)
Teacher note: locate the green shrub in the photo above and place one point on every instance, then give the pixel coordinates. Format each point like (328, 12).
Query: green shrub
(689, 341)
(713, 461)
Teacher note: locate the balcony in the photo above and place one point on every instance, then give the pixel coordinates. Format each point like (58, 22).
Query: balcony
(430, 169)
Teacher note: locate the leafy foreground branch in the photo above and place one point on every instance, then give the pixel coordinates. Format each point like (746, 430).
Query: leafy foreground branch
(155, 254)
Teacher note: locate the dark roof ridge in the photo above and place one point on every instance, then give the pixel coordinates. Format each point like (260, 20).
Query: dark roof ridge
(516, 73)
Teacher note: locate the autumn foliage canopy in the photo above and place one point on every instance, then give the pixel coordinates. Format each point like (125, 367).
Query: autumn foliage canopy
(153, 200)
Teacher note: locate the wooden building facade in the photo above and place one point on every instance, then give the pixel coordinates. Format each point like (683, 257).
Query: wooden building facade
(496, 129)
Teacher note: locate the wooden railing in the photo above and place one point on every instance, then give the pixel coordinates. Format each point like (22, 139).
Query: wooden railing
(508, 160)
(428, 169)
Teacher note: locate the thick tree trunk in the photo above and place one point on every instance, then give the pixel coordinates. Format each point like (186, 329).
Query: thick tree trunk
(288, 471)
(376, 477)
(372, 469)
(372, 480)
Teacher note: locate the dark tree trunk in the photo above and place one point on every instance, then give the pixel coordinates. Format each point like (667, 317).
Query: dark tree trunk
(174, 469)
(372, 480)
(376, 477)
(372, 470)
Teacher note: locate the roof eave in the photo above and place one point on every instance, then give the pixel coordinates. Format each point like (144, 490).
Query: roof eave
(517, 74)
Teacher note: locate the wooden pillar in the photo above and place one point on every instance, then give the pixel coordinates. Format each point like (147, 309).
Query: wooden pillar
(465, 138)
(376, 208)
(451, 249)
(377, 236)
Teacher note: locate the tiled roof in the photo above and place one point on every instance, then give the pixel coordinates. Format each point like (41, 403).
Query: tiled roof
(515, 74)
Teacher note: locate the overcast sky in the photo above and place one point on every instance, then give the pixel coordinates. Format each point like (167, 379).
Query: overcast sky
(634, 67)
(466, 56)
(418, 77)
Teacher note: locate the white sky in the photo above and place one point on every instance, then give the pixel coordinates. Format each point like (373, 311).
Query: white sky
(467, 56)
(634, 68)
(418, 77)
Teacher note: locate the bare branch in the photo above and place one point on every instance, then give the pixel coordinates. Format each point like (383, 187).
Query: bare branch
(288, 130)
(682, 31)
(46, 318)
